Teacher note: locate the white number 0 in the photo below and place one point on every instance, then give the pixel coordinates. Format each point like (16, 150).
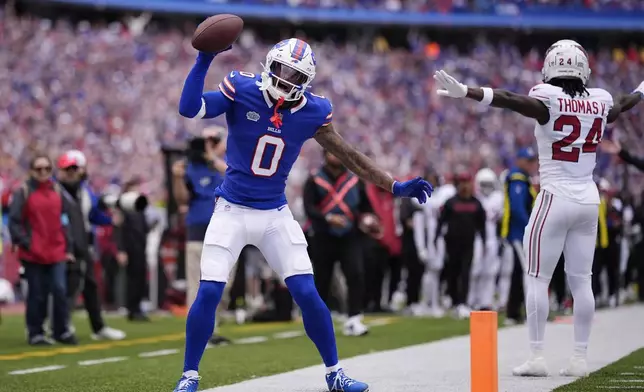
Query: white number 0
(256, 165)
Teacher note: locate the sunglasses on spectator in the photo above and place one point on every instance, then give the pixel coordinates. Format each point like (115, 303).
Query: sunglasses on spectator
(42, 169)
(72, 168)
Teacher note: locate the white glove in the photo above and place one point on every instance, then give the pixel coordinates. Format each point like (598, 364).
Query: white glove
(640, 88)
(450, 86)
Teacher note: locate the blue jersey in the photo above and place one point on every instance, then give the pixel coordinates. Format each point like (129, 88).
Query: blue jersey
(261, 151)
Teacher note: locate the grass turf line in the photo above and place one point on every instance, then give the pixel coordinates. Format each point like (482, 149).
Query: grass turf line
(627, 374)
(220, 366)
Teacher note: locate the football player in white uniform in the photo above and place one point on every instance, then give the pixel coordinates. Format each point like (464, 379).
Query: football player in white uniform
(425, 221)
(571, 119)
(486, 268)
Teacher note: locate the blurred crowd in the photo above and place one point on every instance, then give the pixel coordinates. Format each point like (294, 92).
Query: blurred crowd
(112, 91)
(499, 6)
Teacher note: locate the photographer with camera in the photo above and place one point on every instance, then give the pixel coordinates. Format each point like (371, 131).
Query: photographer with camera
(131, 236)
(193, 185)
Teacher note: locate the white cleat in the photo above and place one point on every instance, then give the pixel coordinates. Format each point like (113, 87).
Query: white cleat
(462, 312)
(108, 333)
(533, 367)
(354, 327)
(576, 368)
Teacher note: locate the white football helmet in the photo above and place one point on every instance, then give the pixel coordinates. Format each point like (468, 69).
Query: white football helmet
(566, 59)
(486, 181)
(289, 69)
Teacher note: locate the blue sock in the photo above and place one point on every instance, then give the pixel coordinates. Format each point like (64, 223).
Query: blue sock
(316, 316)
(201, 322)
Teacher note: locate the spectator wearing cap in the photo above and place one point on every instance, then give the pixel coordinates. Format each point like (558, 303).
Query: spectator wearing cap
(462, 217)
(38, 223)
(519, 198)
(82, 212)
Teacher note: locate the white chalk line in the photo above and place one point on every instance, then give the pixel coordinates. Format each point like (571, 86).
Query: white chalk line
(158, 353)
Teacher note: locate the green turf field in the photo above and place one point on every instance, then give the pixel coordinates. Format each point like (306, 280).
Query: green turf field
(627, 374)
(221, 365)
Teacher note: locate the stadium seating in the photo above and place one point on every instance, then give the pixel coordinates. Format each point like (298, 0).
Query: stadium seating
(115, 96)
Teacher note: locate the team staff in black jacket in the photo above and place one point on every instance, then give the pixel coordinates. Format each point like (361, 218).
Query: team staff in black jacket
(334, 200)
(464, 216)
(80, 274)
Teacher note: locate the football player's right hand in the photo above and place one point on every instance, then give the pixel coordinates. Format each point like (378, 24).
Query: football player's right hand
(450, 86)
(416, 188)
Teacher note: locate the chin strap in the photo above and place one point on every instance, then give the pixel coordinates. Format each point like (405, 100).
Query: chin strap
(276, 118)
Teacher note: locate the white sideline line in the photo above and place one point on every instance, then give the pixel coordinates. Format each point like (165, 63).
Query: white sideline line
(288, 334)
(92, 362)
(620, 387)
(159, 353)
(444, 365)
(631, 374)
(37, 370)
(251, 340)
(627, 380)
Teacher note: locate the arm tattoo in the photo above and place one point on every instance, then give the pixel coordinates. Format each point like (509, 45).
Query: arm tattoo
(353, 159)
(522, 104)
(622, 104)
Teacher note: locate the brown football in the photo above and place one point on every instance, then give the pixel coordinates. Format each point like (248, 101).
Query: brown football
(217, 33)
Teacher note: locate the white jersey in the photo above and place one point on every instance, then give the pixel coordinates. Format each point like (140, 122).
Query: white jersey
(493, 205)
(568, 142)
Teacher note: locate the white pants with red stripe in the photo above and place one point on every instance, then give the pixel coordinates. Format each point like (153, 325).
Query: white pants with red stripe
(559, 225)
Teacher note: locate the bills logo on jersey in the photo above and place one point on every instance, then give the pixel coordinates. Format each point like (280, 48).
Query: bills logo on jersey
(252, 116)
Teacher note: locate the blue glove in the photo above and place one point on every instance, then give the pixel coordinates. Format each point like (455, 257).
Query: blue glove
(418, 188)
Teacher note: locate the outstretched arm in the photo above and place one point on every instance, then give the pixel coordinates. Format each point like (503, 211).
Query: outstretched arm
(624, 103)
(353, 159)
(522, 104)
(194, 103)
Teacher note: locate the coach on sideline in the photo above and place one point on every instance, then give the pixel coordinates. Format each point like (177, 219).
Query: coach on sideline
(334, 200)
(519, 197)
(193, 185)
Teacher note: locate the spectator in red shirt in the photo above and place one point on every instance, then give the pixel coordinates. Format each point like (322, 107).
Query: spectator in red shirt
(38, 227)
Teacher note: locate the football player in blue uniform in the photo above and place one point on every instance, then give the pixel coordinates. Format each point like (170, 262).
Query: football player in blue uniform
(269, 117)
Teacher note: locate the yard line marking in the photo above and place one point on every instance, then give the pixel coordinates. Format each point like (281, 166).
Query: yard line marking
(631, 374)
(92, 347)
(101, 361)
(288, 334)
(251, 340)
(37, 370)
(159, 353)
(638, 367)
(627, 380)
(381, 321)
(620, 387)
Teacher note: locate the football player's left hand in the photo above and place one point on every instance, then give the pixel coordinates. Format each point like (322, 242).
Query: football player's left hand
(417, 188)
(450, 86)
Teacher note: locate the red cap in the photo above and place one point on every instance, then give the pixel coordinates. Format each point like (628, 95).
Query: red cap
(67, 160)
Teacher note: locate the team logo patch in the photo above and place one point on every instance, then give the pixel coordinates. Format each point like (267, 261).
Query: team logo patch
(204, 181)
(252, 116)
